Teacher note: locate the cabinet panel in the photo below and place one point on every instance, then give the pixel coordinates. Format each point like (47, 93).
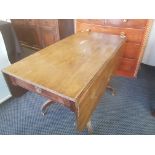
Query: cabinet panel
(19, 32)
(48, 22)
(127, 67)
(19, 27)
(18, 21)
(31, 22)
(131, 50)
(66, 27)
(48, 35)
(27, 35)
(32, 36)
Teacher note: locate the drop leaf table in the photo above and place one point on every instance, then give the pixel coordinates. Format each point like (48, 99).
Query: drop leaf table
(74, 72)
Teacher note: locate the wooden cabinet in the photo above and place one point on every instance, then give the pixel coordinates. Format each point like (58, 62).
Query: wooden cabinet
(27, 32)
(31, 36)
(136, 32)
(19, 27)
(48, 35)
(39, 33)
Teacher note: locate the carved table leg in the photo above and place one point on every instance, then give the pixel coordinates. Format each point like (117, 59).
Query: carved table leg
(89, 127)
(45, 106)
(111, 89)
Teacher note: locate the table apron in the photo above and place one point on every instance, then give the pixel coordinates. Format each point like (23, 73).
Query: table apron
(36, 89)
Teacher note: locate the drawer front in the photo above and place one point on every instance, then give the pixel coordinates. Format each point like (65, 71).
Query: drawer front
(92, 21)
(132, 35)
(48, 22)
(49, 35)
(83, 27)
(40, 91)
(31, 21)
(18, 21)
(131, 50)
(127, 67)
(127, 23)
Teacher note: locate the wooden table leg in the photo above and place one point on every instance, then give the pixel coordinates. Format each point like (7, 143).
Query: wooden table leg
(89, 127)
(111, 89)
(45, 106)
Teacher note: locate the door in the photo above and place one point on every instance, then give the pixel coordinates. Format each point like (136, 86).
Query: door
(19, 27)
(31, 36)
(4, 62)
(48, 35)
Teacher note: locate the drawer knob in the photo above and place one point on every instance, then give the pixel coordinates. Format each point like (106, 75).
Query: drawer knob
(38, 90)
(125, 20)
(122, 35)
(88, 30)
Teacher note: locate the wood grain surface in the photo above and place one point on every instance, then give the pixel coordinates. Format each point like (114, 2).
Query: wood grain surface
(67, 66)
(76, 68)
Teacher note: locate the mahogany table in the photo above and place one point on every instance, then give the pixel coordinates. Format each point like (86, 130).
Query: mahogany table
(74, 72)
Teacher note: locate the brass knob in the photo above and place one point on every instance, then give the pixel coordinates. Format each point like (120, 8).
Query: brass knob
(38, 90)
(88, 30)
(122, 35)
(125, 20)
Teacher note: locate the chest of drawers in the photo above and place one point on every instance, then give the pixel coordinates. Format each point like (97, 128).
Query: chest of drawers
(136, 32)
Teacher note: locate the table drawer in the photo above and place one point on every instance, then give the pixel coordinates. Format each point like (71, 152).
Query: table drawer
(133, 35)
(127, 67)
(131, 50)
(47, 22)
(127, 23)
(41, 91)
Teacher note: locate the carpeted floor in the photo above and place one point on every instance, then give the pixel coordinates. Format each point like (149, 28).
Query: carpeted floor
(126, 113)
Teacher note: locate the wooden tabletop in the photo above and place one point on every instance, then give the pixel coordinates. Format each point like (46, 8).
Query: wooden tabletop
(68, 66)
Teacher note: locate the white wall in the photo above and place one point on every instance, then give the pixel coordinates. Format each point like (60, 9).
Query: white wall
(7, 20)
(4, 62)
(149, 53)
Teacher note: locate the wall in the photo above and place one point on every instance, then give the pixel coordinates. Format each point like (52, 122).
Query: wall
(4, 61)
(149, 53)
